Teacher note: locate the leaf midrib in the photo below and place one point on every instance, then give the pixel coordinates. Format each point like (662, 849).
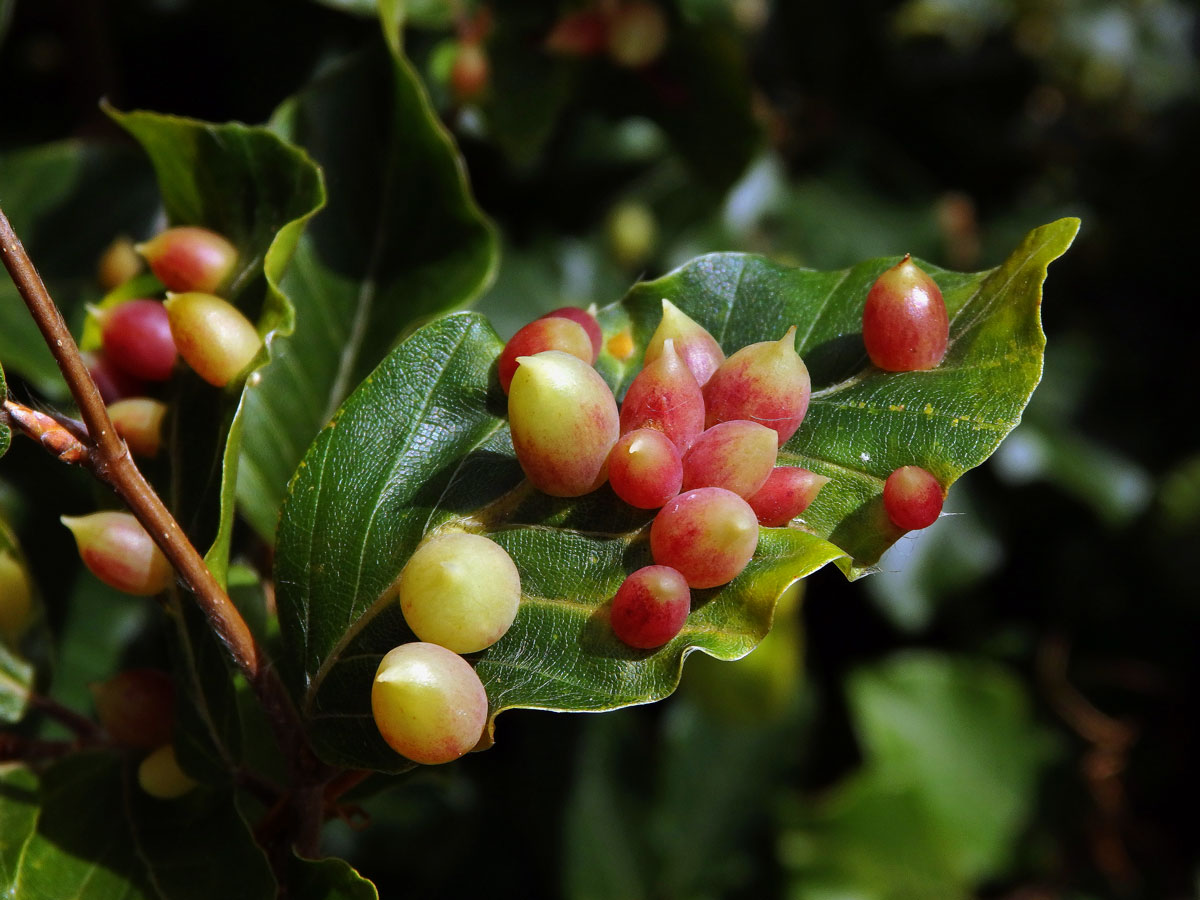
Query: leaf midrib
(364, 301)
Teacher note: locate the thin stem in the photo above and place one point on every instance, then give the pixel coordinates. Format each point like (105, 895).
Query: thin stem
(17, 748)
(265, 791)
(109, 459)
(112, 463)
(346, 781)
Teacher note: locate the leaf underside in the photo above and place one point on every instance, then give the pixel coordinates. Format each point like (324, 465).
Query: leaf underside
(423, 444)
(400, 240)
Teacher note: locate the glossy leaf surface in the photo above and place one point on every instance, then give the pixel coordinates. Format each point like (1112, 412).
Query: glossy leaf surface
(862, 422)
(423, 444)
(400, 239)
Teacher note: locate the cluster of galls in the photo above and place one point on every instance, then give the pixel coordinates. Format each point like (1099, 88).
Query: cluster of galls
(696, 437)
(631, 33)
(459, 593)
(136, 707)
(142, 341)
(906, 329)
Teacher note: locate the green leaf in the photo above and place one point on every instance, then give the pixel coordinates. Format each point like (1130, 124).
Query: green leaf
(93, 192)
(100, 836)
(870, 841)
(16, 681)
(863, 423)
(327, 879)
(952, 758)
(178, 841)
(676, 811)
(258, 191)
(208, 734)
(961, 733)
(99, 626)
(401, 239)
(17, 612)
(18, 817)
(423, 444)
(528, 88)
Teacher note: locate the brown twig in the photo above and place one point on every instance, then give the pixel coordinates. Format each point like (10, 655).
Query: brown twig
(109, 459)
(267, 792)
(1103, 765)
(83, 727)
(18, 748)
(111, 462)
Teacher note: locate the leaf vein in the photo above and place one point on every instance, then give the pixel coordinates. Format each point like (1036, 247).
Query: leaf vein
(824, 304)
